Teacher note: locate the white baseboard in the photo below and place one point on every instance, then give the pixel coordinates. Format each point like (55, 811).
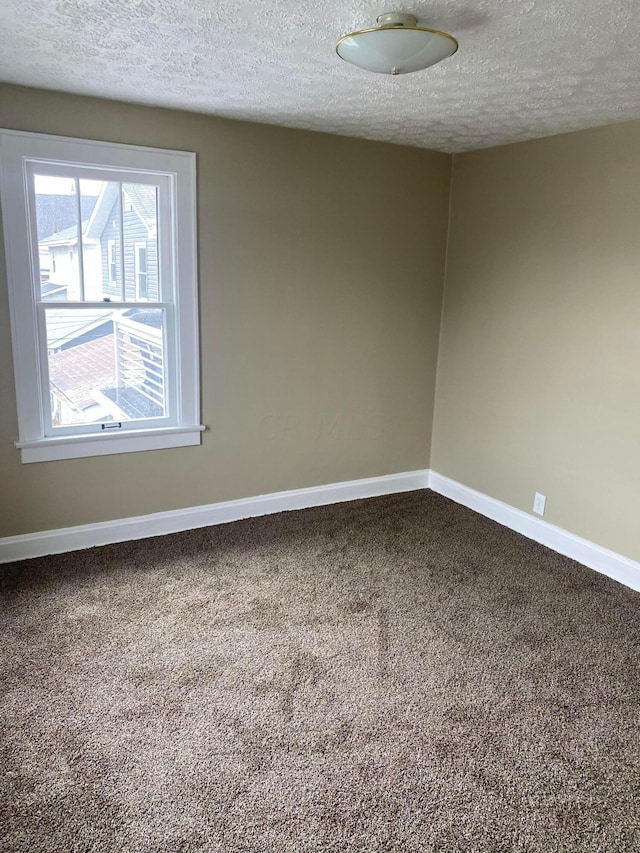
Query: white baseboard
(606, 562)
(160, 523)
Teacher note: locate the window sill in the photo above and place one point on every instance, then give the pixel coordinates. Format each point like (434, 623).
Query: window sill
(98, 444)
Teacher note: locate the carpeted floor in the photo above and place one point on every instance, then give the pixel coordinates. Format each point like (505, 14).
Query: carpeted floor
(396, 674)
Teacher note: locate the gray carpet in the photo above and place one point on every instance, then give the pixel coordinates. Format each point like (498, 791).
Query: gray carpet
(396, 674)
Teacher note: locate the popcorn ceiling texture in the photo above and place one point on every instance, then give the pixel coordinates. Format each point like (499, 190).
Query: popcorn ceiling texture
(525, 68)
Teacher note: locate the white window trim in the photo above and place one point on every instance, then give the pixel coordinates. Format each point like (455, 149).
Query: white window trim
(73, 447)
(17, 149)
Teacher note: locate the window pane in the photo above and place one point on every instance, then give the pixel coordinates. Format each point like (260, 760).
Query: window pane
(119, 240)
(101, 243)
(105, 365)
(57, 226)
(140, 229)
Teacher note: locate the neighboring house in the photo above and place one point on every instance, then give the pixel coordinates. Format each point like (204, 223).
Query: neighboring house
(139, 233)
(113, 251)
(55, 213)
(74, 375)
(62, 270)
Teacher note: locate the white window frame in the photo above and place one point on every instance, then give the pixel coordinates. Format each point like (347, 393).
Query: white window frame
(20, 154)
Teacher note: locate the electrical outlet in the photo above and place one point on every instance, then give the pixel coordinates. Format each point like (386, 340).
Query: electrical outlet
(539, 503)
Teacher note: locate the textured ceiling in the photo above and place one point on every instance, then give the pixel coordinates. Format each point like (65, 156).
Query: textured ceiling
(525, 68)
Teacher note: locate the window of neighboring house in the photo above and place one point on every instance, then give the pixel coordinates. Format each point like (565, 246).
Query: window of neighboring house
(99, 372)
(140, 263)
(112, 264)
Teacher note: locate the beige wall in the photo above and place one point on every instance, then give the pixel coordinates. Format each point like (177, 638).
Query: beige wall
(539, 368)
(321, 263)
(321, 267)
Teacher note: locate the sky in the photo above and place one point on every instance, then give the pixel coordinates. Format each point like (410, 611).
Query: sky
(47, 185)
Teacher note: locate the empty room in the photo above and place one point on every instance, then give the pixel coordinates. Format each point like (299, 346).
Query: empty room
(319, 427)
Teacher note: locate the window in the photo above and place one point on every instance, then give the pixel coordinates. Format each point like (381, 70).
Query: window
(100, 241)
(112, 263)
(141, 270)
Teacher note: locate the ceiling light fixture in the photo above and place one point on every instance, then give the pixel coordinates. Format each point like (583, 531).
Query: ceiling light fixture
(396, 45)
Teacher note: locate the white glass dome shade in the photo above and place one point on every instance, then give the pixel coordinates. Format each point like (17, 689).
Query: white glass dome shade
(396, 46)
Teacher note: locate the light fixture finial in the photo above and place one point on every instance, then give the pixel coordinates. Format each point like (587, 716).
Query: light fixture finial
(397, 19)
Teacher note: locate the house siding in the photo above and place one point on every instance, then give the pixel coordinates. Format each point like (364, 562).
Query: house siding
(135, 231)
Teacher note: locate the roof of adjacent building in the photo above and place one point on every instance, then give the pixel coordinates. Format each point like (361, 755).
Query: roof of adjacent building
(67, 235)
(75, 373)
(65, 326)
(84, 374)
(56, 212)
(142, 197)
